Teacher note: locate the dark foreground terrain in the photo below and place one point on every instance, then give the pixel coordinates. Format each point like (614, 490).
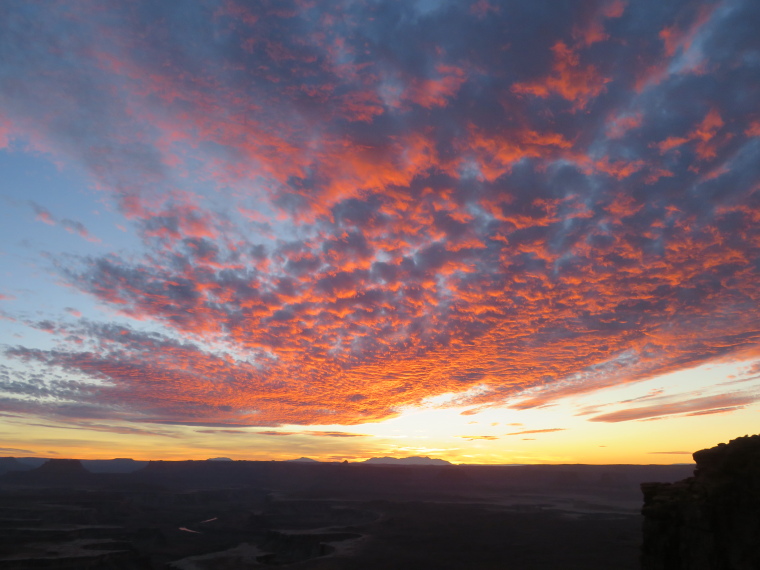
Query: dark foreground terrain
(219, 515)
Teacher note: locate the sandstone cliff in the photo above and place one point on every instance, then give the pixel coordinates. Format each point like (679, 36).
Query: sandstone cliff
(710, 521)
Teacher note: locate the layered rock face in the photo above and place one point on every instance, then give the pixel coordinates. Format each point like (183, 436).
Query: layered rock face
(710, 521)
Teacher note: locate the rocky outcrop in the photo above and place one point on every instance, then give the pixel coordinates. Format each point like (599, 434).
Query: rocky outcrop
(710, 521)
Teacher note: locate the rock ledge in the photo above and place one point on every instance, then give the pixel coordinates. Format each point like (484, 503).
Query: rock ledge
(710, 521)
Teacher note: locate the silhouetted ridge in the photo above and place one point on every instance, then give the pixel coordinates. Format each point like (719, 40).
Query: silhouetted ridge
(406, 461)
(710, 521)
(55, 472)
(205, 474)
(119, 465)
(11, 464)
(61, 467)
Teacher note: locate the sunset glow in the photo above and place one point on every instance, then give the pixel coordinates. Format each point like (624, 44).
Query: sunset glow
(490, 232)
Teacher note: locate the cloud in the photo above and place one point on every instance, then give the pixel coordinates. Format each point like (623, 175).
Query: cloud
(14, 450)
(525, 432)
(704, 133)
(314, 433)
(332, 227)
(232, 431)
(715, 411)
(478, 437)
(71, 226)
(719, 403)
(123, 430)
(78, 228)
(569, 79)
(42, 214)
(335, 434)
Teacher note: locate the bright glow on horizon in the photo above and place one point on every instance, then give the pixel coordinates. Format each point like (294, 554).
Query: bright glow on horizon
(497, 435)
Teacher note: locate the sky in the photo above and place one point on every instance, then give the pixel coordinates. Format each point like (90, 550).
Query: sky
(489, 232)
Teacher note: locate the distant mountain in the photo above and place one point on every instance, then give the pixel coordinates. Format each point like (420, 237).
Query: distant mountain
(302, 460)
(11, 464)
(61, 468)
(218, 459)
(406, 461)
(54, 472)
(33, 461)
(120, 465)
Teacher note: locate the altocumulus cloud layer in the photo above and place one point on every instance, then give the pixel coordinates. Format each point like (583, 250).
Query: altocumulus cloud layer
(346, 208)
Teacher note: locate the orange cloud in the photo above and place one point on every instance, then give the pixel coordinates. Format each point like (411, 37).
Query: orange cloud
(431, 93)
(677, 40)
(753, 130)
(569, 79)
(330, 232)
(478, 437)
(617, 126)
(594, 32)
(311, 433)
(496, 153)
(703, 134)
(529, 431)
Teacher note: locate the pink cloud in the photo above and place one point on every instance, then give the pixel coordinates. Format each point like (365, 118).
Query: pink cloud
(697, 406)
(42, 215)
(71, 226)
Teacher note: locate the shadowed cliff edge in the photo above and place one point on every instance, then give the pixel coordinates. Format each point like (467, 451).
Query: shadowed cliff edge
(710, 521)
